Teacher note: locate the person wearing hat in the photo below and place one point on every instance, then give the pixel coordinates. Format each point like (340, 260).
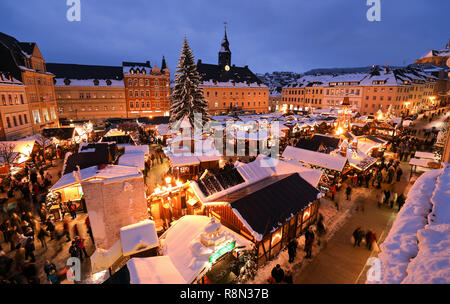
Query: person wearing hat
(278, 273)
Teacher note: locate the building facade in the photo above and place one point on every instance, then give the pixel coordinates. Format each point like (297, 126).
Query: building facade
(15, 122)
(24, 61)
(404, 91)
(229, 88)
(147, 89)
(89, 92)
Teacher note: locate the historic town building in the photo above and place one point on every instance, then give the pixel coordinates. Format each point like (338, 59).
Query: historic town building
(147, 89)
(89, 92)
(24, 62)
(228, 88)
(406, 91)
(15, 122)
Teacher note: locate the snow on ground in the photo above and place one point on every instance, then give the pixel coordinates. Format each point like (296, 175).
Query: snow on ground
(333, 221)
(417, 249)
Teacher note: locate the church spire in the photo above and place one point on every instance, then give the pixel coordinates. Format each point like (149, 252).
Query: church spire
(225, 53)
(163, 64)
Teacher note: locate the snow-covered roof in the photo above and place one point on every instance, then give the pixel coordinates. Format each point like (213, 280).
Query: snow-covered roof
(230, 84)
(59, 82)
(134, 156)
(181, 243)
(327, 161)
(109, 171)
(154, 270)
(138, 237)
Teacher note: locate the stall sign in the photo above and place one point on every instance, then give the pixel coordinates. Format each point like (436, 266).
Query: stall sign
(222, 251)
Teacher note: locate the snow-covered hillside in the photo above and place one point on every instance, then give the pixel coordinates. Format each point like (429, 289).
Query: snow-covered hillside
(277, 80)
(417, 249)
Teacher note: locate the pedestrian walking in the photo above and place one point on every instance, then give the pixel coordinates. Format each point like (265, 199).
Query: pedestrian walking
(357, 237)
(278, 273)
(309, 241)
(79, 241)
(380, 198)
(371, 239)
(75, 251)
(72, 209)
(348, 191)
(50, 228)
(292, 249)
(400, 201)
(29, 250)
(399, 173)
(41, 237)
(50, 271)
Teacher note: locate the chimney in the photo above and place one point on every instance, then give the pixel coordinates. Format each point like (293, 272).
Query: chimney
(199, 61)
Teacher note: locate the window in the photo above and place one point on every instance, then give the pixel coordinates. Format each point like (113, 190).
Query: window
(10, 99)
(81, 95)
(36, 116)
(130, 82)
(45, 114)
(88, 95)
(25, 118)
(3, 100)
(21, 99)
(8, 122)
(20, 120)
(136, 93)
(146, 82)
(131, 105)
(130, 93)
(142, 94)
(52, 113)
(147, 93)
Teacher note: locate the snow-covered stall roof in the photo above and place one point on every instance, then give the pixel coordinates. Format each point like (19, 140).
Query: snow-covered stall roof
(181, 243)
(417, 248)
(134, 156)
(154, 270)
(327, 161)
(138, 237)
(108, 171)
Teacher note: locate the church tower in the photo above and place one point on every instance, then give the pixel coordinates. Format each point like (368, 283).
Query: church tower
(225, 53)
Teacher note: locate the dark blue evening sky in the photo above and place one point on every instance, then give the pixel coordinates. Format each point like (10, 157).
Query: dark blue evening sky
(266, 35)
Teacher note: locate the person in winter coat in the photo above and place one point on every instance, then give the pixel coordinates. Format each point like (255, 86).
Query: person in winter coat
(41, 237)
(380, 198)
(72, 209)
(50, 271)
(357, 237)
(393, 199)
(80, 243)
(348, 191)
(399, 173)
(309, 241)
(51, 229)
(278, 273)
(29, 250)
(74, 251)
(400, 201)
(370, 238)
(66, 230)
(292, 249)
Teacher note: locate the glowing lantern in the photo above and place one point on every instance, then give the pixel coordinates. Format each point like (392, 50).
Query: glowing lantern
(276, 238)
(306, 215)
(168, 180)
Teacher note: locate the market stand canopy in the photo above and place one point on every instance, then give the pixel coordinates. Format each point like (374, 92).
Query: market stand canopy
(262, 206)
(323, 160)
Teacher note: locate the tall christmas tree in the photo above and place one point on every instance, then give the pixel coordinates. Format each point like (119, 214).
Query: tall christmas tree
(187, 97)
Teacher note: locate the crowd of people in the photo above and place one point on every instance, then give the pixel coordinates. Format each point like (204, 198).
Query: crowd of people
(25, 218)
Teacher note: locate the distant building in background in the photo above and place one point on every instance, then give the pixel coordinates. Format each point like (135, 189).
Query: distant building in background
(229, 88)
(436, 57)
(89, 92)
(15, 122)
(147, 89)
(24, 62)
(408, 90)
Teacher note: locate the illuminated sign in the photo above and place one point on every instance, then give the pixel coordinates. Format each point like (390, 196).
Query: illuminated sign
(222, 251)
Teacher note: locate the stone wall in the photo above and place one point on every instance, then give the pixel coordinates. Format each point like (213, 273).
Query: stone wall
(112, 204)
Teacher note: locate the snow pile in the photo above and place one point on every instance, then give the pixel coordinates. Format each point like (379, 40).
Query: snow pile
(138, 237)
(416, 251)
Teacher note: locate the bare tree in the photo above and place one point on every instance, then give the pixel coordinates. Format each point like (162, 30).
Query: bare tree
(7, 153)
(41, 140)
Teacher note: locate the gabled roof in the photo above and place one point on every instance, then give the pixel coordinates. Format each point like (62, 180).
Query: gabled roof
(265, 205)
(92, 154)
(322, 160)
(330, 143)
(214, 73)
(28, 47)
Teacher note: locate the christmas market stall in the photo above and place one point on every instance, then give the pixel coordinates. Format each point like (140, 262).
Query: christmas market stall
(333, 165)
(268, 212)
(196, 249)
